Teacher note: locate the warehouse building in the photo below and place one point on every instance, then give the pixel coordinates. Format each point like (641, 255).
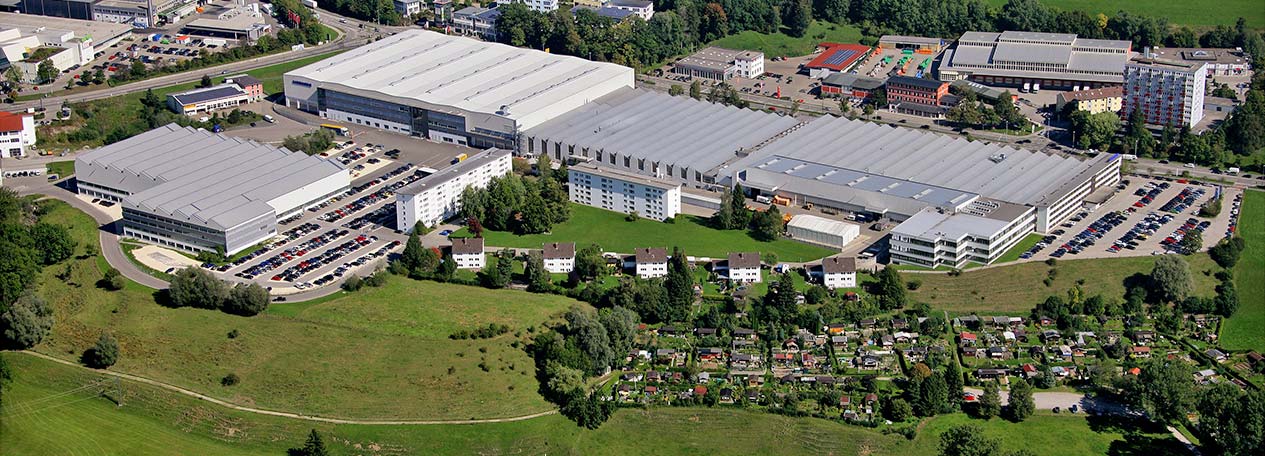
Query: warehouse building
(435, 198)
(623, 192)
(990, 191)
(822, 231)
(235, 91)
(1051, 60)
(836, 58)
(450, 89)
(193, 190)
(241, 23)
(920, 44)
(850, 85)
(1221, 62)
(721, 64)
(26, 41)
(655, 135)
(1168, 92)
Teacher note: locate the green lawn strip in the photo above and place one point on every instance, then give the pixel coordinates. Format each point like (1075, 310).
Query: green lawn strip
(783, 45)
(1056, 435)
(1245, 330)
(62, 168)
(1200, 15)
(1020, 287)
(614, 234)
(1023, 246)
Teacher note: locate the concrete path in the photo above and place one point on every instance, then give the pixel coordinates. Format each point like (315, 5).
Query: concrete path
(297, 416)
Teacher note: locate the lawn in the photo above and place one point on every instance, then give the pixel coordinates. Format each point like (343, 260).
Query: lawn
(55, 409)
(1056, 435)
(1019, 287)
(783, 45)
(62, 168)
(1194, 14)
(381, 353)
(1246, 329)
(614, 234)
(1023, 246)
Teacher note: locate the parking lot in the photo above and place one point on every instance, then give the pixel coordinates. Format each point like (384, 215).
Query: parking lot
(352, 233)
(1145, 217)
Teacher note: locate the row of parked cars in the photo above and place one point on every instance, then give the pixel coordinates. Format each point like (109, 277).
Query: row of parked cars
(329, 256)
(1141, 231)
(1038, 247)
(379, 217)
(1235, 206)
(1148, 193)
(1173, 242)
(291, 253)
(1091, 234)
(379, 253)
(368, 200)
(1184, 200)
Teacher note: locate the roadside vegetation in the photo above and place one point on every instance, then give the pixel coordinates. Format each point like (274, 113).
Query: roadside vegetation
(1244, 330)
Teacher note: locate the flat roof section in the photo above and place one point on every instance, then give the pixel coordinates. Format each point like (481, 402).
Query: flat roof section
(452, 172)
(465, 73)
(207, 94)
(99, 31)
(590, 168)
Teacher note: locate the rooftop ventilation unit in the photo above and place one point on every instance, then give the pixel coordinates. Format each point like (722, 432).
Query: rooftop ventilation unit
(997, 158)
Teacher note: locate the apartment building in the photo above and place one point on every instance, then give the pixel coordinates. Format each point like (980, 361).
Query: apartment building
(744, 267)
(1106, 99)
(437, 197)
(1168, 92)
(916, 96)
(650, 262)
(642, 8)
(467, 253)
(839, 272)
(559, 257)
(628, 193)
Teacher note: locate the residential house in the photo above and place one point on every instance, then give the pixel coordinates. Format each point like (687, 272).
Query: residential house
(1216, 355)
(998, 353)
(839, 272)
(967, 339)
(991, 373)
(651, 262)
(467, 252)
(559, 257)
(744, 267)
(1140, 351)
(17, 132)
(744, 334)
(1050, 335)
(1144, 337)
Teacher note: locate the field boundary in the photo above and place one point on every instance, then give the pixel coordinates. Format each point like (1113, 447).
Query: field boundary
(298, 416)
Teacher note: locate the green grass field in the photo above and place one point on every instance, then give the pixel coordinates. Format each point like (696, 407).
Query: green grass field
(614, 234)
(62, 168)
(1019, 287)
(382, 352)
(1023, 246)
(783, 45)
(1246, 329)
(1194, 14)
(1056, 435)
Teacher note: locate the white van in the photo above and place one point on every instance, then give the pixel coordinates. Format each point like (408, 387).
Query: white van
(269, 119)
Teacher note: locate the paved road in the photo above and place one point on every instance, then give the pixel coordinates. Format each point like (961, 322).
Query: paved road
(299, 416)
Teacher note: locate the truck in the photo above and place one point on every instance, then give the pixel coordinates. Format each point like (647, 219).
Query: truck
(1036, 87)
(459, 158)
(1026, 87)
(1129, 157)
(1232, 170)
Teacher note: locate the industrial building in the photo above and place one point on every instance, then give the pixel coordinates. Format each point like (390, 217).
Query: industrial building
(922, 45)
(138, 13)
(17, 132)
(822, 231)
(1168, 92)
(1106, 99)
(655, 135)
(234, 92)
(26, 41)
(627, 193)
(435, 198)
(1050, 60)
(245, 23)
(449, 88)
(836, 58)
(917, 96)
(193, 190)
(850, 85)
(721, 64)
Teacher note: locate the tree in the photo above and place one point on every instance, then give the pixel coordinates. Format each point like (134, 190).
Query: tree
(26, 322)
(538, 279)
(1232, 418)
(933, 396)
(589, 262)
(246, 300)
(104, 353)
(19, 266)
(53, 242)
(898, 410)
(138, 69)
(46, 72)
(778, 305)
(447, 268)
(831, 10)
(621, 327)
(413, 257)
(952, 373)
(1021, 404)
(195, 287)
(14, 75)
(206, 81)
(1227, 300)
(534, 218)
(113, 280)
(1094, 130)
(767, 225)
(1192, 242)
(740, 215)
(891, 289)
(967, 440)
(1164, 388)
(314, 446)
(675, 90)
(990, 402)
(591, 337)
(696, 90)
(796, 16)
(679, 284)
(499, 273)
(1170, 278)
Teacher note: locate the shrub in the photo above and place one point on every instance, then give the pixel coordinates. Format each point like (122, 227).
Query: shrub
(246, 300)
(113, 280)
(230, 380)
(233, 334)
(352, 283)
(104, 354)
(913, 284)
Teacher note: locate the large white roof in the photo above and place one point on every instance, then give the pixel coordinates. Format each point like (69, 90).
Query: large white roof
(464, 73)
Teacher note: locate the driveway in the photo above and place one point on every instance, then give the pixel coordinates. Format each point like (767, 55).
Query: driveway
(1047, 400)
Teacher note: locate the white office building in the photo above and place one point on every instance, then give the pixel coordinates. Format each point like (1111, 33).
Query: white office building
(193, 190)
(627, 193)
(1168, 92)
(721, 64)
(839, 272)
(437, 197)
(981, 234)
(26, 41)
(450, 88)
(642, 8)
(651, 262)
(407, 7)
(543, 6)
(468, 253)
(744, 267)
(559, 257)
(17, 132)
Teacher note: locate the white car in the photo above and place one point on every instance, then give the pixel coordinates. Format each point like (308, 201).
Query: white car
(1189, 165)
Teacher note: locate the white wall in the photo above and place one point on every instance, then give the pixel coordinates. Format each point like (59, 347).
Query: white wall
(623, 195)
(841, 280)
(652, 270)
(745, 275)
(560, 265)
(305, 195)
(469, 261)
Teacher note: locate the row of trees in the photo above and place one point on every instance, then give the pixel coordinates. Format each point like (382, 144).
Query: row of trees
(973, 112)
(27, 245)
(311, 143)
(513, 203)
(195, 287)
(586, 345)
(734, 214)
